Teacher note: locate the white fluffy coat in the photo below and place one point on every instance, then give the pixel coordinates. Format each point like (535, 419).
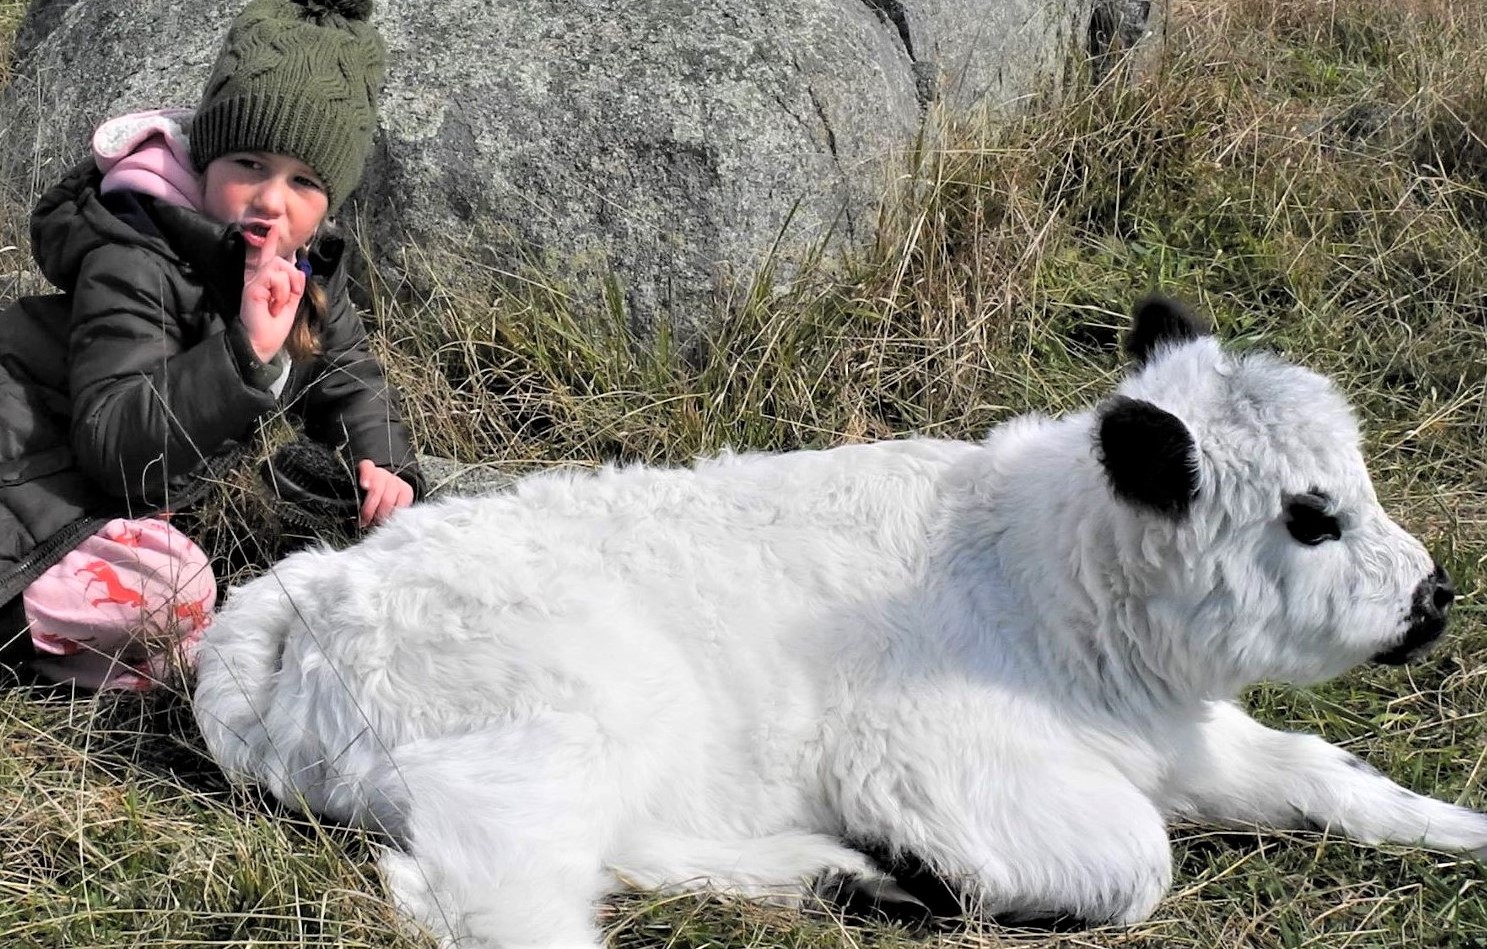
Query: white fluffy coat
(723, 676)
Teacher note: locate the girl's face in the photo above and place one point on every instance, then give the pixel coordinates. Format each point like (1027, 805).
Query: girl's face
(259, 191)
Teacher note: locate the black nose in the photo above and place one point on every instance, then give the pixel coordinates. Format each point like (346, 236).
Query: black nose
(1432, 600)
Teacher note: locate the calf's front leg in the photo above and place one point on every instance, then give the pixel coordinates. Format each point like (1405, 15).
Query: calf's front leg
(1239, 772)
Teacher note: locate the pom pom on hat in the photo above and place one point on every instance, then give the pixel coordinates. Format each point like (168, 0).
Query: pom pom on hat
(350, 9)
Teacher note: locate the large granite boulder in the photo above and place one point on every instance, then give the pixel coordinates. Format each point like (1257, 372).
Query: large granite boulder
(662, 147)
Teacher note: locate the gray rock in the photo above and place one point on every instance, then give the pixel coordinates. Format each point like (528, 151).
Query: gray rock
(657, 150)
(446, 476)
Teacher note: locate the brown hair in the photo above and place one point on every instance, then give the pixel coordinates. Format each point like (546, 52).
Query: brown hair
(303, 341)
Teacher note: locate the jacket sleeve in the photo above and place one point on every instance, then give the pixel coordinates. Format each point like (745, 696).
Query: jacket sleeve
(350, 400)
(148, 409)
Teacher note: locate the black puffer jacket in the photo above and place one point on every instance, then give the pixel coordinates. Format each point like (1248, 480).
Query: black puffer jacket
(120, 393)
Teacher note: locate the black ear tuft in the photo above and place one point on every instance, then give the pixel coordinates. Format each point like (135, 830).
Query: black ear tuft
(1160, 321)
(1149, 456)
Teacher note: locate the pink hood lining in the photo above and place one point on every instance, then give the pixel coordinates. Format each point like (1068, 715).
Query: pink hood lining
(150, 153)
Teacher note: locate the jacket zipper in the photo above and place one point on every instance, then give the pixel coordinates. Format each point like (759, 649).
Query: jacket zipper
(41, 559)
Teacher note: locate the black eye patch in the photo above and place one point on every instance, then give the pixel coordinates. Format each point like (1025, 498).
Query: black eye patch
(1307, 519)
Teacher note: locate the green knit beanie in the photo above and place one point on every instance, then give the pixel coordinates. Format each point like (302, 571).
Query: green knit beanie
(298, 78)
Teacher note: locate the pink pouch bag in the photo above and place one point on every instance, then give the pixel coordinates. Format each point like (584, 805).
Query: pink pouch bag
(123, 609)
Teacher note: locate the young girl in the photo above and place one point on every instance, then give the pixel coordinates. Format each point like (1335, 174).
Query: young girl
(200, 293)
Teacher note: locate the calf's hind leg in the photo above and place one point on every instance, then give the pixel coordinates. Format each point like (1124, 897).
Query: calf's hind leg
(1039, 840)
(505, 832)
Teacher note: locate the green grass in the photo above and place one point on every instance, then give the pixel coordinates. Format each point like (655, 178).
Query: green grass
(1311, 173)
(10, 21)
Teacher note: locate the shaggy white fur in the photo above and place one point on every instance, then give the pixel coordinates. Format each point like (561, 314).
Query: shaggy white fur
(1013, 660)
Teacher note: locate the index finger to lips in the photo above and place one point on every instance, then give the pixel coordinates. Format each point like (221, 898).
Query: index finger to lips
(268, 251)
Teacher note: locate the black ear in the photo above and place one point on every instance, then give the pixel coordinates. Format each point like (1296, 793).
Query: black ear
(1149, 456)
(1160, 321)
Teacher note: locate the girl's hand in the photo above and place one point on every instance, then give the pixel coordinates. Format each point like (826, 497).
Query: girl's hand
(272, 287)
(383, 492)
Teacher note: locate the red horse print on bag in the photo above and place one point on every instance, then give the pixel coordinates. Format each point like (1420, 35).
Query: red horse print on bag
(195, 616)
(103, 572)
(123, 533)
(122, 609)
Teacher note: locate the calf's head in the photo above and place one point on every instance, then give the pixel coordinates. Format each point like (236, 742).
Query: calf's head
(1259, 547)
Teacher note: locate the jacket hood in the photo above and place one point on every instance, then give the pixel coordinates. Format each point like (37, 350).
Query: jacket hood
(71, 220)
